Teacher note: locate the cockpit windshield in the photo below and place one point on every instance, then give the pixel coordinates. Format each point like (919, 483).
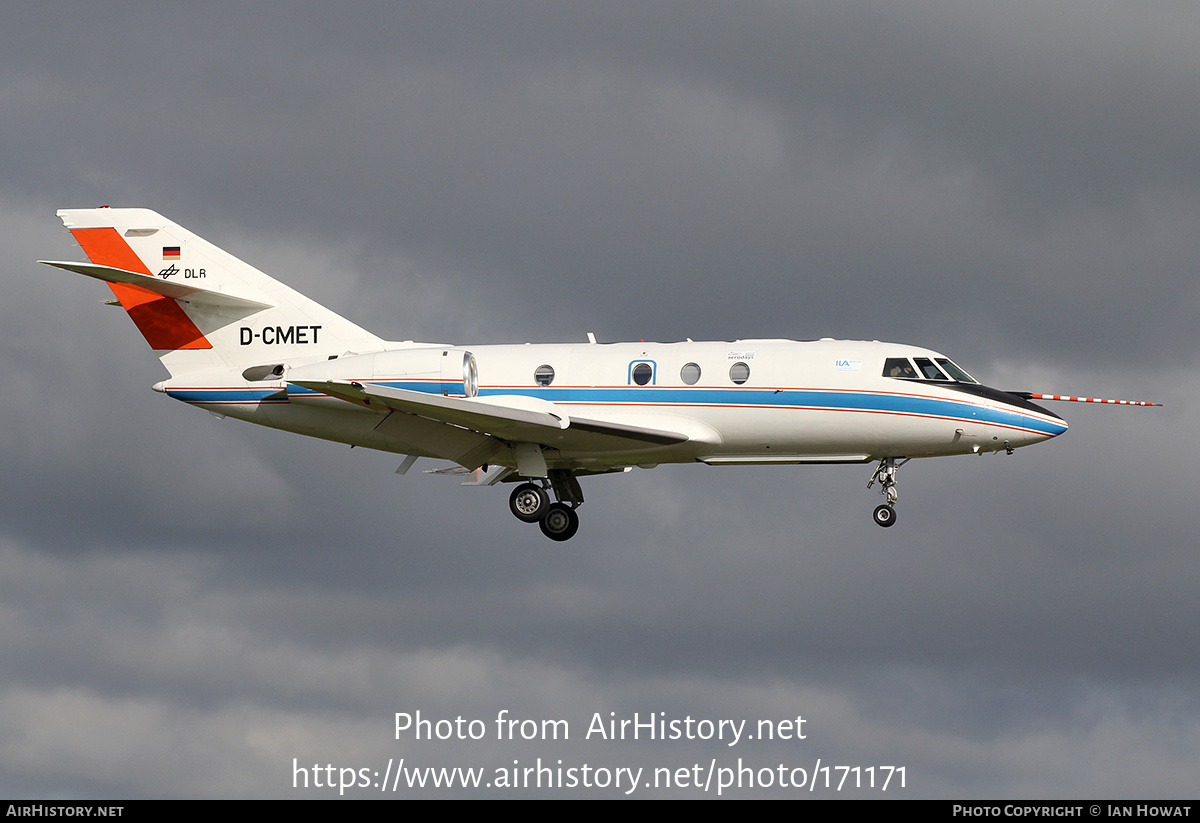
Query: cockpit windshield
(955, 372)
(925, 369)
(899, 367)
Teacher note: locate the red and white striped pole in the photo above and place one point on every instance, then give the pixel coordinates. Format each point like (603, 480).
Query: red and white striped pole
(1091, 400)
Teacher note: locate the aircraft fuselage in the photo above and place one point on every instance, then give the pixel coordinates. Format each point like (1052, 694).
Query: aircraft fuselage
(740, 402)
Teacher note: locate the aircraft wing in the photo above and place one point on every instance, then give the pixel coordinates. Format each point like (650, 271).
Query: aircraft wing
(517, 419)
(167, 288)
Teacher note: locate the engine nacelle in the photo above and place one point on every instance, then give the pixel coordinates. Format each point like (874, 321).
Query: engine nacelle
(443, 370)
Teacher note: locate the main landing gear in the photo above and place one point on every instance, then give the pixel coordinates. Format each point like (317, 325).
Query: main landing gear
(558, 521)
(529, 503)
(885, 515)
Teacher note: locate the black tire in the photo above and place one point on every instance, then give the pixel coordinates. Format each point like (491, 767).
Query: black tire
(560, 523)
(528, 503)
(885, 516)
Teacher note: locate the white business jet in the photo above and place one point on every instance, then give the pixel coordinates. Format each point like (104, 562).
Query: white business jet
(241, 344)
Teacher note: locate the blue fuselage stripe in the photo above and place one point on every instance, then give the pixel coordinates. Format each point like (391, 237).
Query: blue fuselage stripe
(806, 399)
(802, 399)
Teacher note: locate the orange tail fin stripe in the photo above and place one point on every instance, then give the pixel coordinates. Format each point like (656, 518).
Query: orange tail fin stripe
(106, 247)
(160, 319)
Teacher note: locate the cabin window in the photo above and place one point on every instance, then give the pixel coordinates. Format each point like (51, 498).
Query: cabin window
(690, 374)
(899, 367)
(739, 372)
(543, 375)
(642, 373)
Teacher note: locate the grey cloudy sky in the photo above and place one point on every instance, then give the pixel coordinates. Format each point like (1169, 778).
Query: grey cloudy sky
(188, 604)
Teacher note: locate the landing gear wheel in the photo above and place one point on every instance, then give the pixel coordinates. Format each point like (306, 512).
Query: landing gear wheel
(560, 523)
(529, 503)
(885, 516)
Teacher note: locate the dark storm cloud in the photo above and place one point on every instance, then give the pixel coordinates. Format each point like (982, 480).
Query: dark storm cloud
(803, 153)
(192, 602)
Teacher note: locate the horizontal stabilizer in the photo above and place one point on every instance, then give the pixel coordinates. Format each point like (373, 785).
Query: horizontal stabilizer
(179, 291)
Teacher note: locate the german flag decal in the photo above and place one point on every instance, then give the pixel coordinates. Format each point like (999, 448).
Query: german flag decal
(170, 252)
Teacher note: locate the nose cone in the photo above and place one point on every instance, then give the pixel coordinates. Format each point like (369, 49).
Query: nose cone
(1016, 418)
(1039, 423)
(1017, 400)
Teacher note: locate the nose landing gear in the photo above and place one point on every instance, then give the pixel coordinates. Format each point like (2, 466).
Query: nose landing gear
(885, 515)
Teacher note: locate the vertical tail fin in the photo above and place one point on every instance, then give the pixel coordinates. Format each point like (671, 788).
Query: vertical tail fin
(201, 308)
